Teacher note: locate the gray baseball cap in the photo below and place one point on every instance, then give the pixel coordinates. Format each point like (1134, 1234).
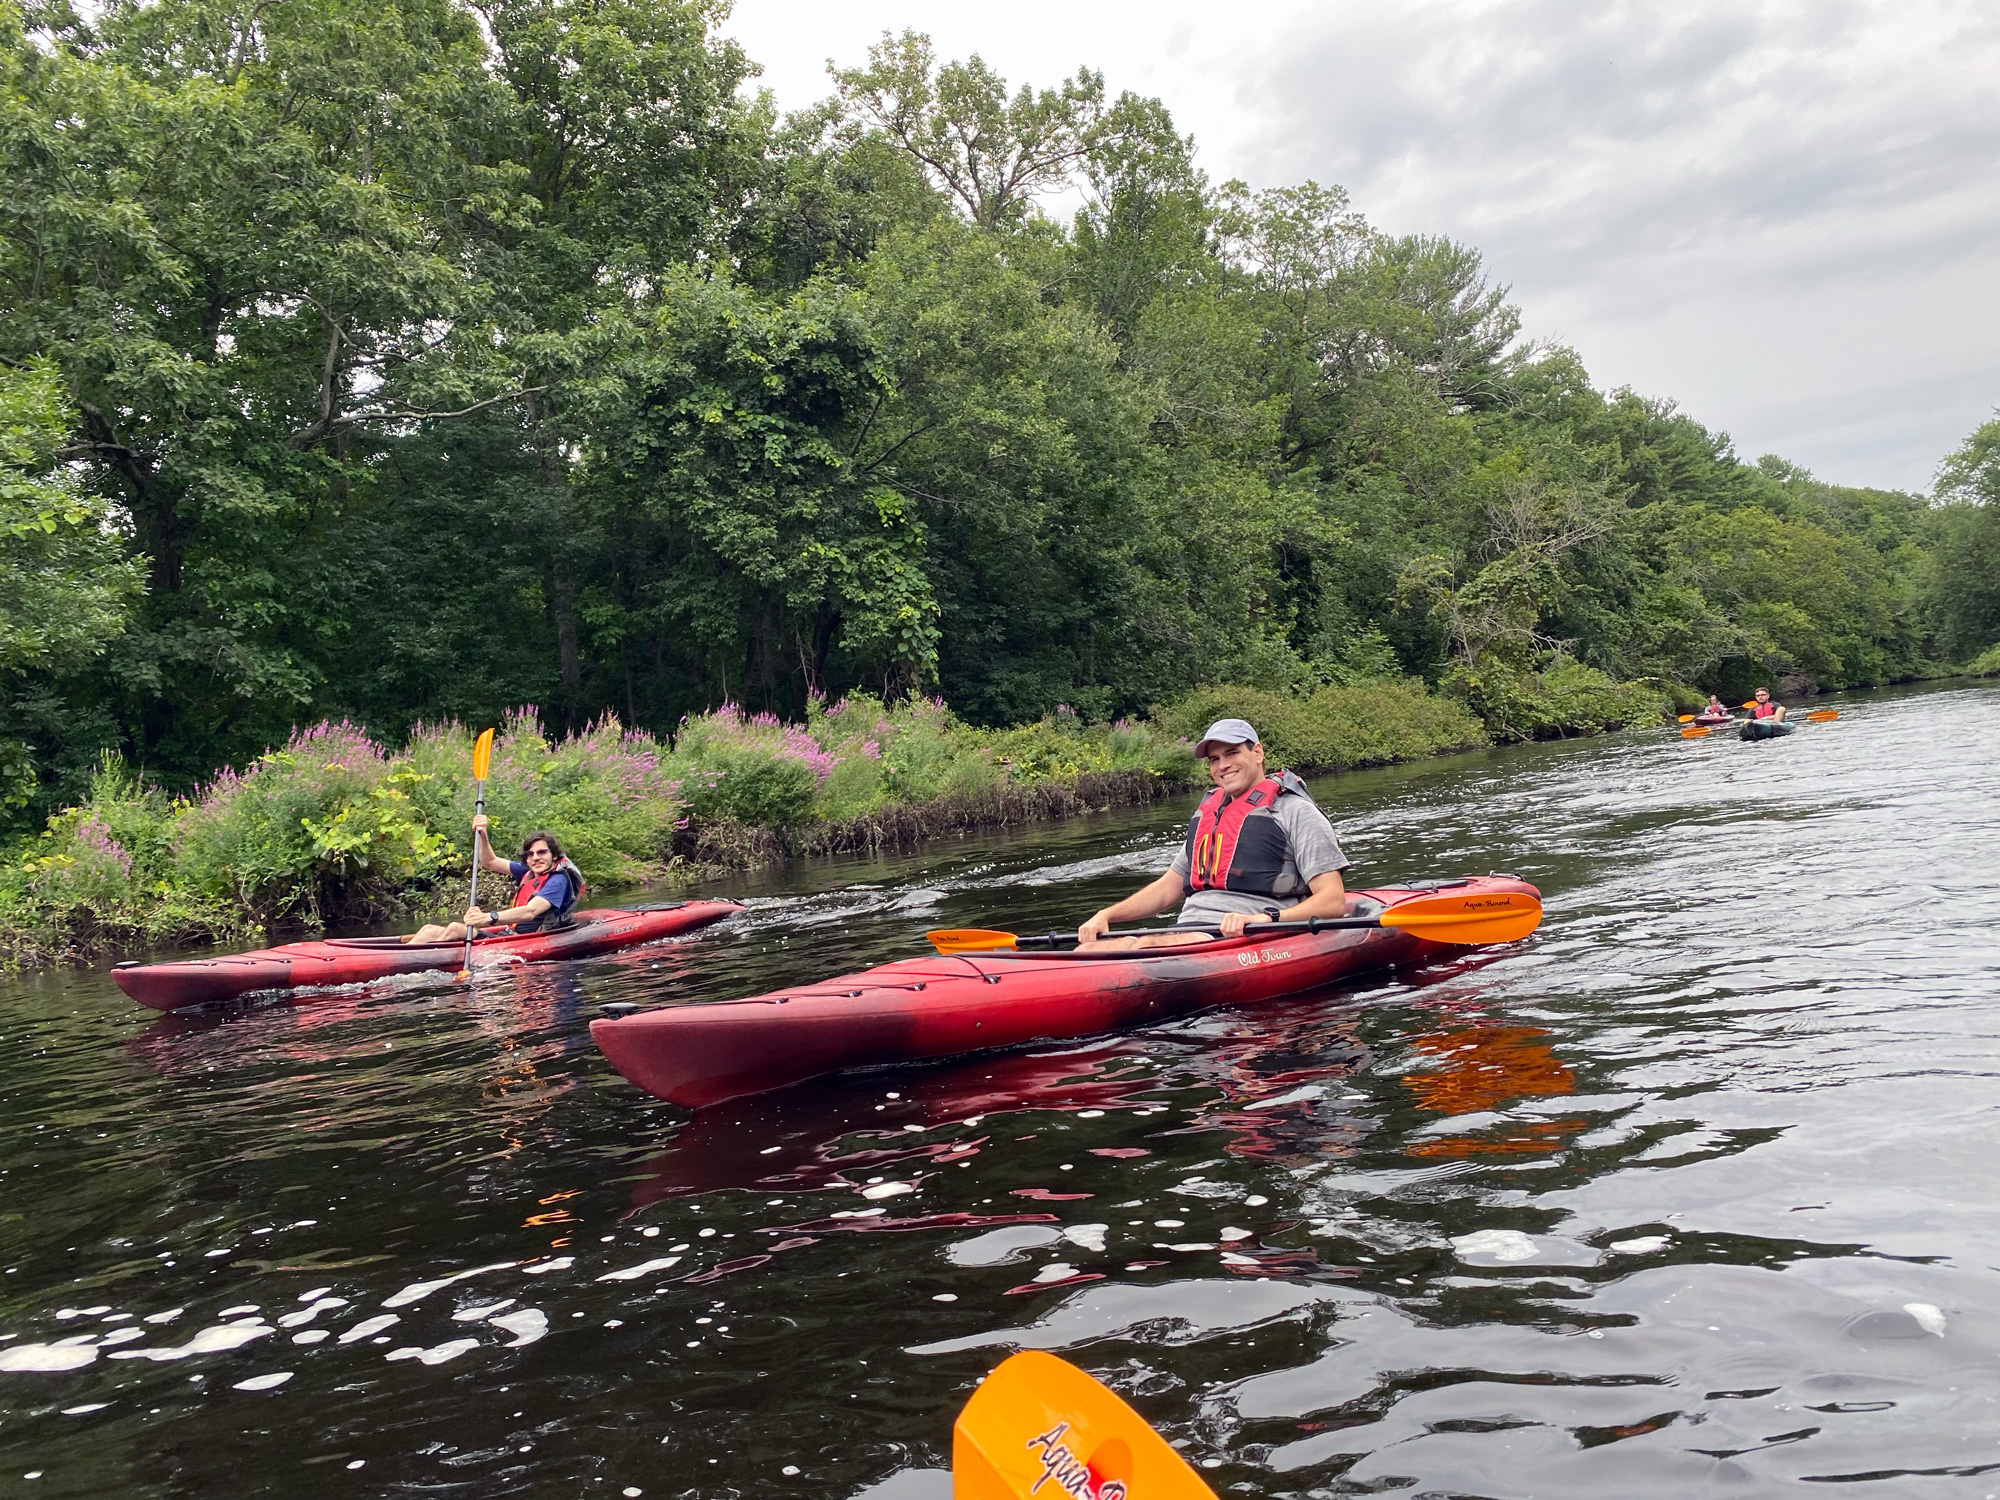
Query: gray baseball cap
(1227, 732)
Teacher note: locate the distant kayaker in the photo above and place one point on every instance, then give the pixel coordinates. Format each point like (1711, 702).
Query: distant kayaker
(1713, 709)
(1762, 707)
(550, 885)
(1258, 849)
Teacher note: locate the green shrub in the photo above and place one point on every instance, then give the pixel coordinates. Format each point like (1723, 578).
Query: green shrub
(256, 838)
(1566, 697)
(1336, 727)
(1987, 663)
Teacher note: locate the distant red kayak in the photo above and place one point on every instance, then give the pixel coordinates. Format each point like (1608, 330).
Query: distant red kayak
(334, 961)
(930, 1007)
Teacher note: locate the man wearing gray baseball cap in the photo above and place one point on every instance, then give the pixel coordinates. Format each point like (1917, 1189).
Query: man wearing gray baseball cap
(1258, 849)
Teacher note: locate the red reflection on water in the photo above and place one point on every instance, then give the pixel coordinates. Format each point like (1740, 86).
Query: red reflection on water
(829, 1133)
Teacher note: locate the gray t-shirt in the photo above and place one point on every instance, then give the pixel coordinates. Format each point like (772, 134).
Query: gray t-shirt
(1311, 850)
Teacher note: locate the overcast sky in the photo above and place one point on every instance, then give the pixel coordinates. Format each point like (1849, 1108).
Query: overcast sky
(1786, 216)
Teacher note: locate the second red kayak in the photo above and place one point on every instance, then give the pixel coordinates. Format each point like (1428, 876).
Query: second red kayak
(336, 961)
(938, 1006)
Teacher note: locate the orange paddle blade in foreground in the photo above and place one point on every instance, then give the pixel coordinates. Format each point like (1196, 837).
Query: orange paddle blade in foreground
(1821, 716)
(1040, 1426)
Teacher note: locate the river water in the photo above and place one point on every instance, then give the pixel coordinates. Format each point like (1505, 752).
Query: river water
(1687, 1195)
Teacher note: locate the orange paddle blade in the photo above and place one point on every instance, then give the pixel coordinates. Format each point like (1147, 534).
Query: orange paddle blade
(1821, 716)
(1478, 917)
(1685, 718)
(482, 755)
(1040, 1426)
(1695, 733)
(948, 940)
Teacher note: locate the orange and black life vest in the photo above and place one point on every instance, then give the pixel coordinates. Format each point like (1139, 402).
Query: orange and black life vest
(1238, 844)
(555, 916)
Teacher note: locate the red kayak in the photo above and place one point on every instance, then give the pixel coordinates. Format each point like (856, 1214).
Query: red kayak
(335, 961)
(931, 1007)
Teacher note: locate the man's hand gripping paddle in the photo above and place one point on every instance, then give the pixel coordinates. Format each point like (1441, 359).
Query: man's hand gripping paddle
(482, 762)
(1040, 1426)
(1473, 919)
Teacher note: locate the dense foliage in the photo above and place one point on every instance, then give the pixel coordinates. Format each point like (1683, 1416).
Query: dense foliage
(334, 824)
(405, 361)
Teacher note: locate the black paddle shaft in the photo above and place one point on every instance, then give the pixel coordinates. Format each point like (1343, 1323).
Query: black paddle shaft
(1260, 929)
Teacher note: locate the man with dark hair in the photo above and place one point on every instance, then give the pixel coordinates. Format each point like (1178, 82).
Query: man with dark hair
(550, 885)
(1258, 849)
(1761, 706)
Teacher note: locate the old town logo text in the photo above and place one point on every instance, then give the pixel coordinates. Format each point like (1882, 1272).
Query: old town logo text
(1263, 956)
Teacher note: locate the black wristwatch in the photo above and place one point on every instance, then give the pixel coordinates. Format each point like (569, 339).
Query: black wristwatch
(1271, 912)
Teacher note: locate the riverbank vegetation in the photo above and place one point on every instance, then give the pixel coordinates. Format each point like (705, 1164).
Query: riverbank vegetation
(334, 826)
(398, 364)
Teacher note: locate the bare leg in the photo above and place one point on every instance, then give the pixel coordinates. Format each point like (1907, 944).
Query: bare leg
(1168, 939)
(431, 932)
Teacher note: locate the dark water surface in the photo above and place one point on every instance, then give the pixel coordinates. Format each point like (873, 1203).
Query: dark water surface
(1691, 1194)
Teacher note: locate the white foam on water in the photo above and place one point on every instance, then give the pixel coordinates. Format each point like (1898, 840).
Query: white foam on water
(561, 1262)
(1501, 1244)
(1055, 1270)
(1230, 1232)
(263, 1382)
(315, 1294)
(79, 1411)
(122, 1336)
(1929, 1318)
(313, 1336)
(64, 1314)
(27, 1357)
(306, 1314)
(165, 1317)
(888, 1190)
(416, 1291)
(435, 1355)
(1229, 1258)
(644, 1268)
(1087, 1236)
(1645, 1245)
(367, 1326)
(213, 1340)
(481, 1312)
(1190, 1246)
(231, 1312)
(527, 1325)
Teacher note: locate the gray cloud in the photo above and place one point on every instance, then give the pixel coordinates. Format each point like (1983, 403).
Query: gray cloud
(1784, 215)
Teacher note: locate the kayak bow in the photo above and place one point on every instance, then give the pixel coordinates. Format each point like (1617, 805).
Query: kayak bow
(337, 961)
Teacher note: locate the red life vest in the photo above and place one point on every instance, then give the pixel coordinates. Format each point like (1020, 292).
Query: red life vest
(1762, 710)
(1238, 845)
(530, 887)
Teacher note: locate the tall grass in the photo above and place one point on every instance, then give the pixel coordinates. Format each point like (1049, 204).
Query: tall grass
(335, 825)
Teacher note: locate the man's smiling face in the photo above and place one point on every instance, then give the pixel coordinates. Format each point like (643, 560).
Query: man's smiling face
(1235, 768)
